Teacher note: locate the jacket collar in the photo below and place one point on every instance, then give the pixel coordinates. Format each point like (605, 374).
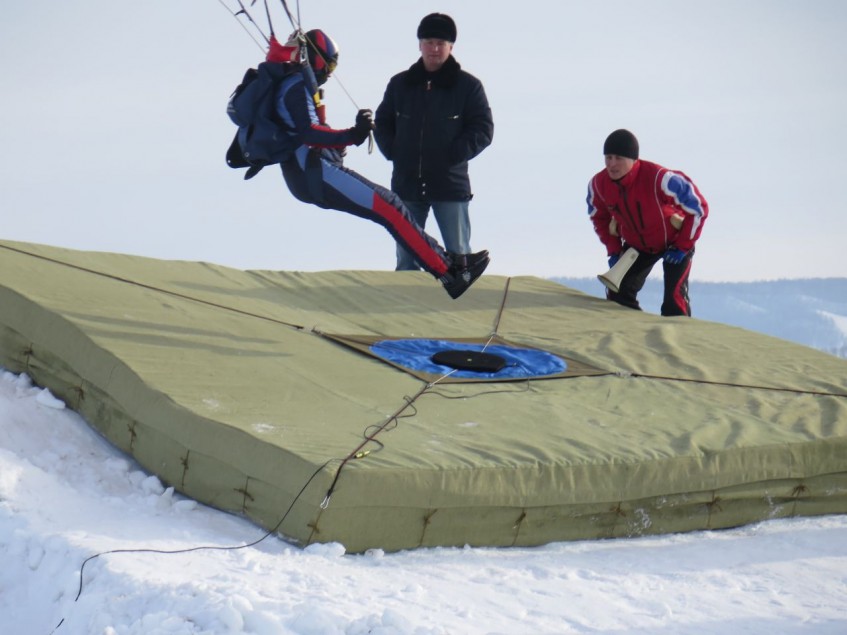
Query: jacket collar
(627, 180)
(445, 76)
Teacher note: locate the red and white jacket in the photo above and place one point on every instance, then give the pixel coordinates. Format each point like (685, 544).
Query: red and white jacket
(652, 209)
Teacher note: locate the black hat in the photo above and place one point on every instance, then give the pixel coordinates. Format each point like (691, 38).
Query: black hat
(622, 143)
(437, 26)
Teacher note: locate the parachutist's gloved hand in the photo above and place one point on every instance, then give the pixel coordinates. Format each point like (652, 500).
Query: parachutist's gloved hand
(365, 119)
(364, 125)
(613, 259)
(674, 256)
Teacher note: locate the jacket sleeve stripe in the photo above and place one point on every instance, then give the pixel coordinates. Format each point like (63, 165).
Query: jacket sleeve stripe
(589, 199)
(685, 194)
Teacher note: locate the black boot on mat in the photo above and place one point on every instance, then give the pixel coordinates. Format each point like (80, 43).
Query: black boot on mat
(464, 271)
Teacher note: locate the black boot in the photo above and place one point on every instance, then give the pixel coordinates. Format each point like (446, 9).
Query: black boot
(466, 261)
(464, 271)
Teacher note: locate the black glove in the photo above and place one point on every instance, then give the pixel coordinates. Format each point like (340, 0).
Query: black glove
(364, 125)
(365, 119)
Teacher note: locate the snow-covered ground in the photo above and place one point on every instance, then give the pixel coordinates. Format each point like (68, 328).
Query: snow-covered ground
(66, 496)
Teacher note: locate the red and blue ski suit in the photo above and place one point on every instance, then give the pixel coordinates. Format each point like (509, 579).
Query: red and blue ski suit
(316, 174)
(652, 209)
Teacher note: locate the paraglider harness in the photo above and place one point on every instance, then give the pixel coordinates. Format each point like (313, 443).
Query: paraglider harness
(262, 138)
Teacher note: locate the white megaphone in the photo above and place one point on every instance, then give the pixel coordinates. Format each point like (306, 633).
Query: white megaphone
(612, 278)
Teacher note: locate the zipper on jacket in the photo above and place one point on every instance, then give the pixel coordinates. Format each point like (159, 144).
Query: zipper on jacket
(629, 215)
(420, 145)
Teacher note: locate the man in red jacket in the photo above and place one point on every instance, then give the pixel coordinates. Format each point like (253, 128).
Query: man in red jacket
(656, 211)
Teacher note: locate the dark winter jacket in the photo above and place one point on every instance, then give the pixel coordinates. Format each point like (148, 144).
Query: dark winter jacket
(646, 205)
(430, 125)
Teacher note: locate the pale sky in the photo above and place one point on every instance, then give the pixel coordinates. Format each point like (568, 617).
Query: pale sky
(114, 128)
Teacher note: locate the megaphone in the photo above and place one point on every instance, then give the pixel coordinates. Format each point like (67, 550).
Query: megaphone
(612, 278)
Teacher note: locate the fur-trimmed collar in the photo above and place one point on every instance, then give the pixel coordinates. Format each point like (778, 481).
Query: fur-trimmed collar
(445, 76)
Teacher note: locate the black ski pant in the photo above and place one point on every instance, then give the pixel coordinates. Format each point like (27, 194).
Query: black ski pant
(675, 300)
(319, 177)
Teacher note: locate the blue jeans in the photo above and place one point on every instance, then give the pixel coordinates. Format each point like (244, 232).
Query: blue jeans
(453, 221)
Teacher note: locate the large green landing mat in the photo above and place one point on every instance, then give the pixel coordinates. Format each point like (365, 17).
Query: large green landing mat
(256, 392)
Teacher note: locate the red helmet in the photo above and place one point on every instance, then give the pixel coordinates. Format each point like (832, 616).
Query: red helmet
(323, 54)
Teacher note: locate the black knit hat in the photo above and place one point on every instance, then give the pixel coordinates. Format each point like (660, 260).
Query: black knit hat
(622, 143)
(437, 26)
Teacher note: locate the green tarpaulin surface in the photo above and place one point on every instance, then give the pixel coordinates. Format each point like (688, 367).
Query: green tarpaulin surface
(242, 389)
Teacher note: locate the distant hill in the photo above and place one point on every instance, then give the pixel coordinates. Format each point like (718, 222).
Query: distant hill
(812, 312)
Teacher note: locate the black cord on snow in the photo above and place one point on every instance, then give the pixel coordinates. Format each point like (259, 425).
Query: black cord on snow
(267, 534)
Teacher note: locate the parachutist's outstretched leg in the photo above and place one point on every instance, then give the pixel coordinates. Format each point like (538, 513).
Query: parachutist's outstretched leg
(313, 177)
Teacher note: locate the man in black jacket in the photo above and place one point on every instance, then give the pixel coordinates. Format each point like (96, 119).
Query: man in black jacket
(433, 119)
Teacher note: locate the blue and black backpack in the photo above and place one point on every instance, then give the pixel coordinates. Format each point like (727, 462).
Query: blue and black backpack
(261, 138)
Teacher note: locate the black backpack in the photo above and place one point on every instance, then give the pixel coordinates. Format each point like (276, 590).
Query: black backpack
(262, 138)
